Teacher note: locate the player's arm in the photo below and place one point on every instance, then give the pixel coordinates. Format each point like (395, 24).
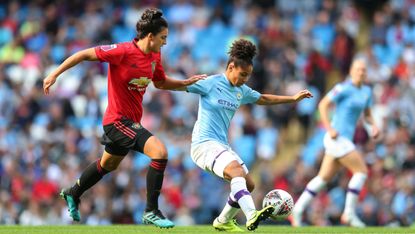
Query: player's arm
(369, 119)
(83, 55)
(270, 99)
(174, 84)
(324, 107)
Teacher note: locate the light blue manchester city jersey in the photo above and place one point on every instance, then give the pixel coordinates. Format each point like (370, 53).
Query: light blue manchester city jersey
(350, 102)
(218, 102)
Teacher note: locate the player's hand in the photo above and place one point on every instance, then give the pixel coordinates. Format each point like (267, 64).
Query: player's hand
(375, 132)
(333, 133)
(194, 79)
(303, 94)
(48, 82)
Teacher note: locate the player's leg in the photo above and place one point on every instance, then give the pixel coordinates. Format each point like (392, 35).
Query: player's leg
(209, 155)
(157, 151)
(232, 207)
(230, 210)
(94, 173)
(89, 177)
(235, 172)
(226, 219)
(355, 163)
(220, 160)
(328, 169)
(129, 135)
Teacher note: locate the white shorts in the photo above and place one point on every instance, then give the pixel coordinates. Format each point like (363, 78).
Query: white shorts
(213, 157)
(338, 147)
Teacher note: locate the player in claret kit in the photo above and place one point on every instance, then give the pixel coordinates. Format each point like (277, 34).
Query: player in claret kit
(132, 66)
(220, 97)
(351, 98)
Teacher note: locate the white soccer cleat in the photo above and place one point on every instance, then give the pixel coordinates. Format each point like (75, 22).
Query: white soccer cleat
(352, 220)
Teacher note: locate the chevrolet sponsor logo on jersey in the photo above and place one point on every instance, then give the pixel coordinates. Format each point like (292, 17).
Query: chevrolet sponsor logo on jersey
(139, 84)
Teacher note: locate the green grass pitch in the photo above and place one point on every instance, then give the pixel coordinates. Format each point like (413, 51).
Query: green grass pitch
(198, 229)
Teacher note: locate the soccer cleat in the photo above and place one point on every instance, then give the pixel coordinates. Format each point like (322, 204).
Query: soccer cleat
(156, 218)
(259, 216)
(352, 220)
(231, 226)
(295, 218)
(73, 204)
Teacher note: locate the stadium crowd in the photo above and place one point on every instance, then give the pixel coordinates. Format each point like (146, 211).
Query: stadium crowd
(46, 141)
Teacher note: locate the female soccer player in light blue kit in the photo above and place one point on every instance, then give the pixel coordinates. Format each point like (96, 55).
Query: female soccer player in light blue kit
(351, 98)
(220, 97)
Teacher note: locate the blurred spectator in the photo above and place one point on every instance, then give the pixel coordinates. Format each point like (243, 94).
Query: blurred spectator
(316, 71)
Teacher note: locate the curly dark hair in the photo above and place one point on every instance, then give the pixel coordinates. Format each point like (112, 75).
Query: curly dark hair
(241, 53)
(152, 21)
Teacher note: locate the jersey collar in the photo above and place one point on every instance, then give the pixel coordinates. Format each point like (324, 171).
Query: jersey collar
(134, 41)
(227, 80)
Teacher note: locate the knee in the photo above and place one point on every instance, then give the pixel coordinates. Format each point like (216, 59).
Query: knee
(161, 153)
(233, 172)
(238, 172)
(250, 185)
(157, 151)
(110, 164)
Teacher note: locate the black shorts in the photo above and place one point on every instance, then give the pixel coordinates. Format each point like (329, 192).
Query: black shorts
(124, 135)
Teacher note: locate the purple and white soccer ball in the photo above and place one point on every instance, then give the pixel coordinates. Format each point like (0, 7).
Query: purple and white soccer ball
(282, 201)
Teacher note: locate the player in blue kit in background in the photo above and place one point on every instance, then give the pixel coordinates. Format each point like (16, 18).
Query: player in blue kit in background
(220, 97)
(351, 98)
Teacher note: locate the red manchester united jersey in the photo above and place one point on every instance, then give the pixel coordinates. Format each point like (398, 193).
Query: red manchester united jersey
(130, 71)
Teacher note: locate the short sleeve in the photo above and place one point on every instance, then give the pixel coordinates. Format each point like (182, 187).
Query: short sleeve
(249, 95)
(201, 87)
(112, 54)
(158, 74)
(337, 93)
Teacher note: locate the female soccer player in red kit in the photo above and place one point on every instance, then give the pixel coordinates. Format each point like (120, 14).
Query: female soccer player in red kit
(132, 66)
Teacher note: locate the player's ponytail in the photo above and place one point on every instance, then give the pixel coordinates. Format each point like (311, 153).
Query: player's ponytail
(152, 21)
(242, 52)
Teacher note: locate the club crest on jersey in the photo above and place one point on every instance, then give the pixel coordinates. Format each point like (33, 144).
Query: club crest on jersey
(238, 96)
(153, 66)
(139, 84)
(136, 126)
(108, 47)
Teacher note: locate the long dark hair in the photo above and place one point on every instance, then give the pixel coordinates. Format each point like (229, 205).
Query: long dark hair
(151, 22)
(241, 53)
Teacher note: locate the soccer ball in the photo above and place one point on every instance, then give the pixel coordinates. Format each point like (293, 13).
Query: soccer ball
(282, 202)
